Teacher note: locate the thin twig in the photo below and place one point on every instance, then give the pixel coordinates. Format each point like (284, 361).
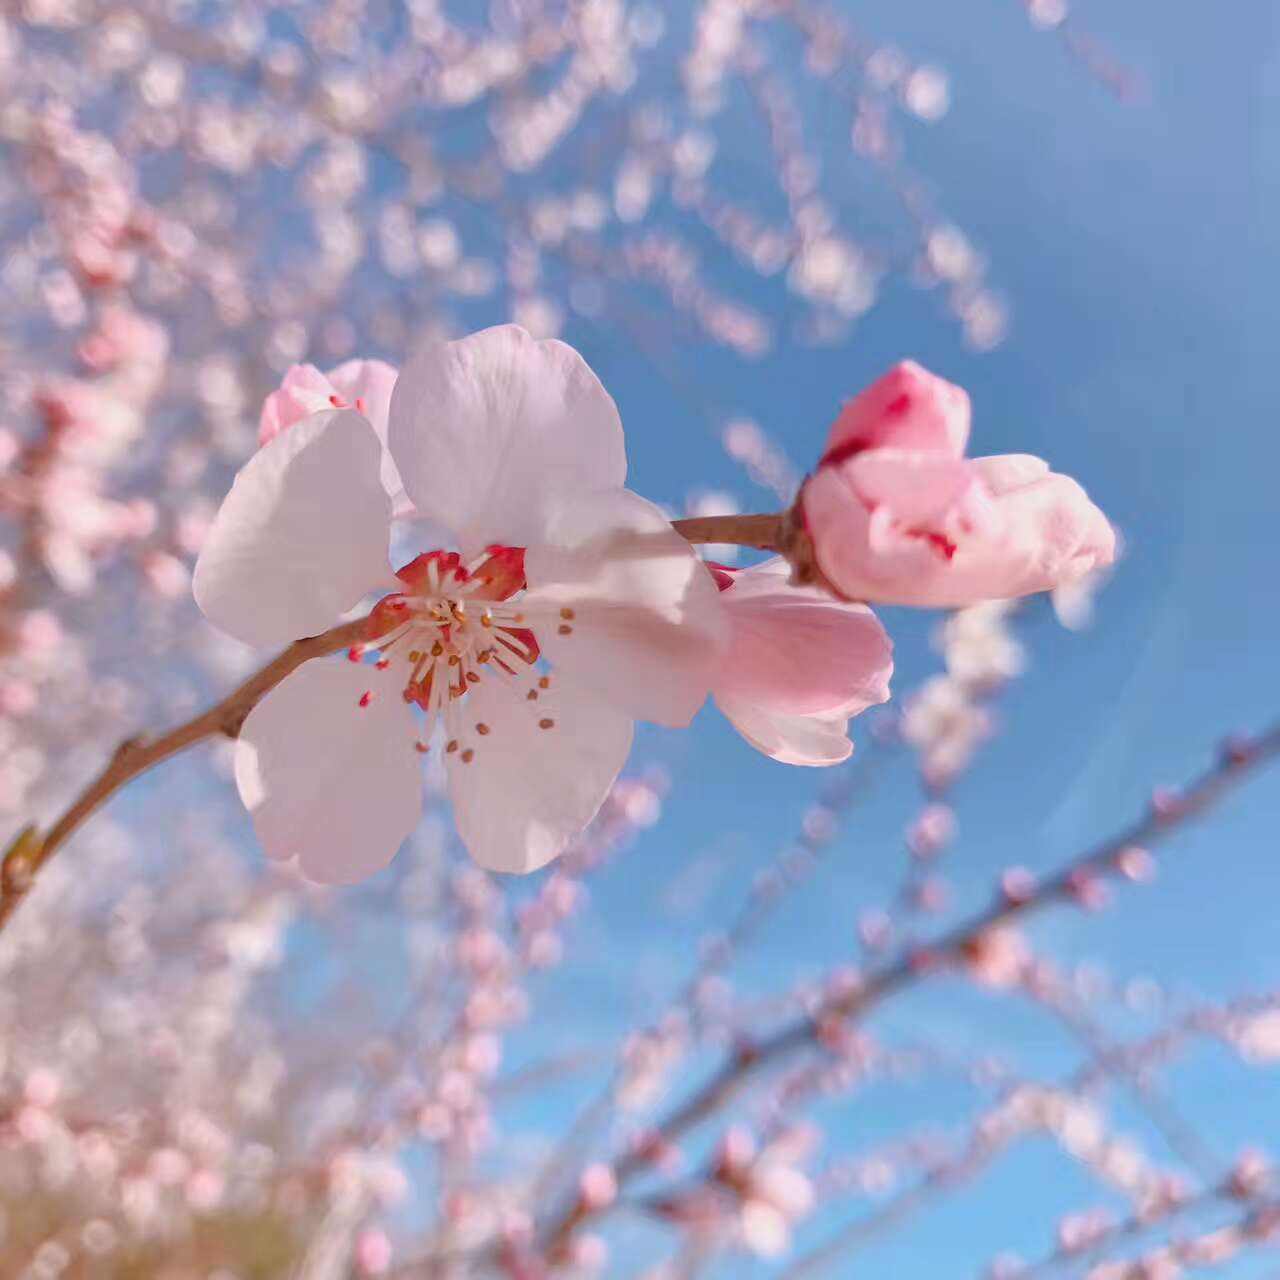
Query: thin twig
(1236, 762)
(134, 756)
(764, 532)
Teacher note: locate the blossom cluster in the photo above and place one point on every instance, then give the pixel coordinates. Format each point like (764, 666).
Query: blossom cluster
(566, 606)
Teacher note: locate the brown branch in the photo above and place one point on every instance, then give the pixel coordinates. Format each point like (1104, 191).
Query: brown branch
(29, 850)
(764, 532)
(134, 756)
(1235, 763)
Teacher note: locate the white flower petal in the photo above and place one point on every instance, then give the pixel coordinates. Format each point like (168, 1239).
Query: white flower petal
(371, 382)
(644, 627)
(528, 791)
(488, 430)
(335, 783)
(301, 536)
(792, 739)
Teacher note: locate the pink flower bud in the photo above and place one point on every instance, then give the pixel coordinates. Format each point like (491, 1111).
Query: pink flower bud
(897, 514)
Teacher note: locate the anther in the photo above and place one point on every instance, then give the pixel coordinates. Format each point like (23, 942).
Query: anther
(355, 653)
(545, 682)
(382, 664)
(567, 614)
(421, 748)
(482, 729)
(452, 746)
(546, 724)
(565, 629)
(472, 678)
(468, 756)
(437, 649)
(531, 696)
(365, 698)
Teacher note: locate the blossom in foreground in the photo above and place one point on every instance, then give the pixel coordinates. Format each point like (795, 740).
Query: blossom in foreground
(799, 664)
(569, 609)
(898, 515)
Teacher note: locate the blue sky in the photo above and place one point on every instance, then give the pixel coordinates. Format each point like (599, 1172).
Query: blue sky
(1137, 245)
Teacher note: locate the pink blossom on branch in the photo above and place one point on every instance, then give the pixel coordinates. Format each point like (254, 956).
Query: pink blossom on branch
(570, 609)
(898, 515)
(799, 666)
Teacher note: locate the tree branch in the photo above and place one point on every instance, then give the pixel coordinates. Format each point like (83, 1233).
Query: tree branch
(1236, 761)
(29, 852)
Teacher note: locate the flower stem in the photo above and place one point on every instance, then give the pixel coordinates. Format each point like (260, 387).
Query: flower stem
(761, 531)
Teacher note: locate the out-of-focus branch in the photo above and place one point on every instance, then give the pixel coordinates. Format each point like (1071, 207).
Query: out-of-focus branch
(134, 756)
(1237, 761)
(987, 1141)
(1258, 1220)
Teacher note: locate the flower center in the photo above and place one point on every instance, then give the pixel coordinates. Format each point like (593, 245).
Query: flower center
(453, 628)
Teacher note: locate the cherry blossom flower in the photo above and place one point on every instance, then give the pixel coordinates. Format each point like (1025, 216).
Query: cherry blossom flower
(569, 609)
(799, 665)
(774, 1192)
(362, 385)
(898, 515)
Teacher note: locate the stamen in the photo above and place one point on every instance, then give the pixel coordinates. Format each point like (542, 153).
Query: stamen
(459, 617)
(365, 698)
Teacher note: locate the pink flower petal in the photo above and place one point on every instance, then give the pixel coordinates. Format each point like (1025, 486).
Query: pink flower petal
(917, 488)
(537, 776)
(799, 740)
(906, 408)
(362, 385)
(797, 651)
(646, 626)
(329, 775)
(492, 431)
(302, 535)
